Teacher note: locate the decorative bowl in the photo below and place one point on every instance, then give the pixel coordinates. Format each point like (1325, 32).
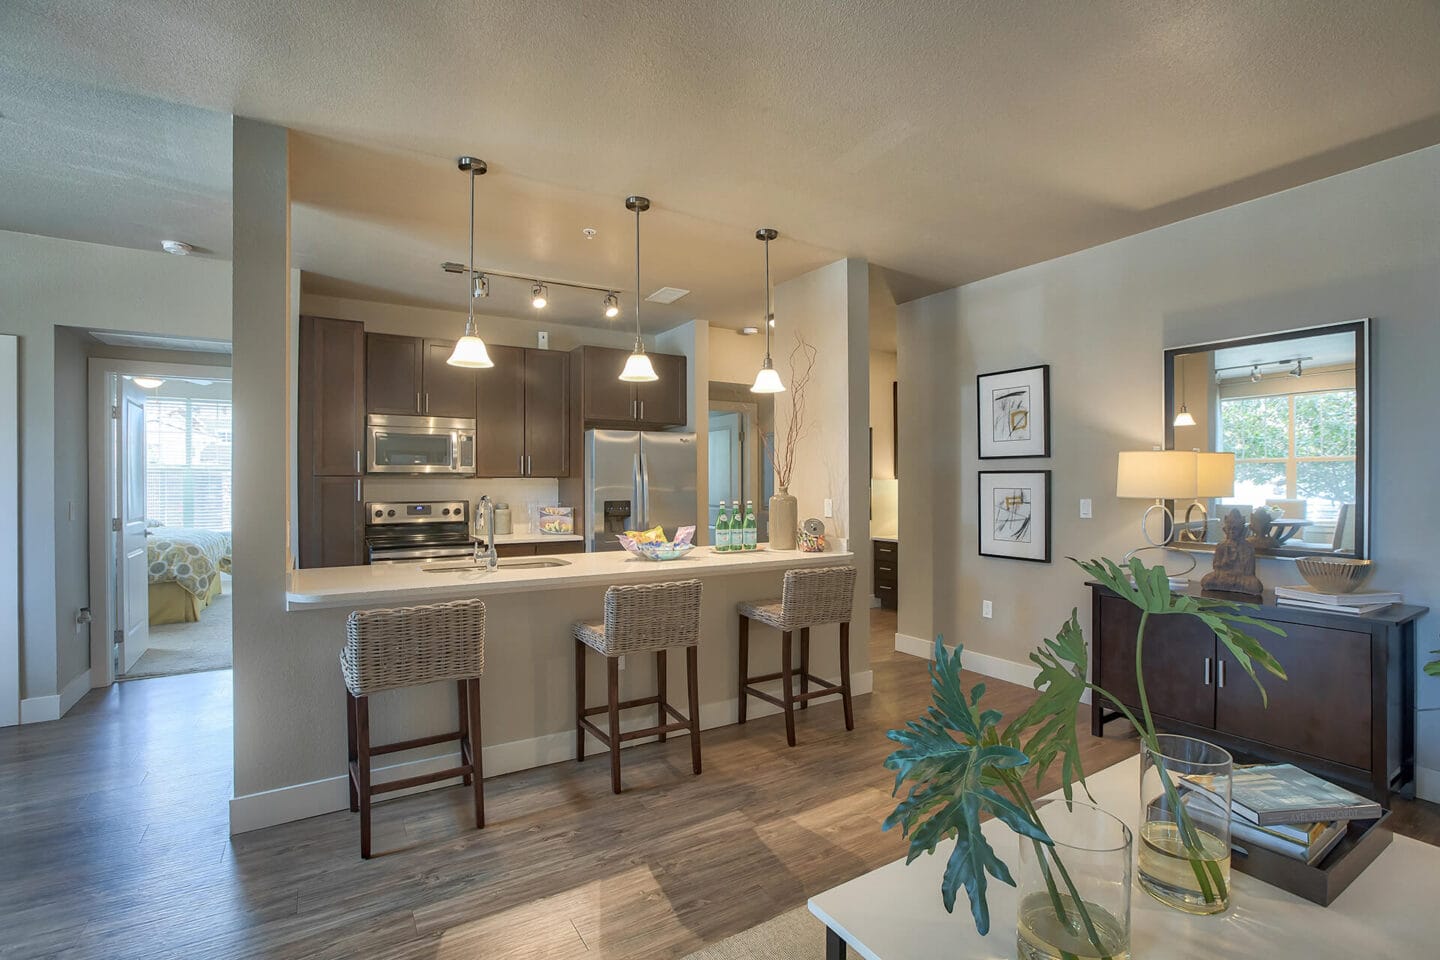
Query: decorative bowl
(664, 551)
(1334, 574)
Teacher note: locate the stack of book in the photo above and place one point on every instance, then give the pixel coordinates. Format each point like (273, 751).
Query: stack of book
(1281, 808)
(1359, 604)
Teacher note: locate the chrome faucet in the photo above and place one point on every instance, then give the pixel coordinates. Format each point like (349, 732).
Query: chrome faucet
(486, 508)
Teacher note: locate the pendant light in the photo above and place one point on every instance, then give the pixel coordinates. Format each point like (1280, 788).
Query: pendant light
(767, 380)
(1184, 418)
(638, 368)
(470, 349)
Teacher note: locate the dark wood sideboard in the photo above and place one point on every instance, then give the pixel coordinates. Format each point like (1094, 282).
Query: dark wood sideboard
(1347, 712)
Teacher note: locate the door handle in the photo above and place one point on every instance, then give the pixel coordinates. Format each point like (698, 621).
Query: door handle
(1220, 668)
(1207, 671)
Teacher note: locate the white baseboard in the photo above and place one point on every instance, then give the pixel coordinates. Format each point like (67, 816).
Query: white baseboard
(1427, 784)
(56, 705)
(297, 802)
(982, 663)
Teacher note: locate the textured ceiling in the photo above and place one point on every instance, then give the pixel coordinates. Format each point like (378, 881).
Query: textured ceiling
(945, 141)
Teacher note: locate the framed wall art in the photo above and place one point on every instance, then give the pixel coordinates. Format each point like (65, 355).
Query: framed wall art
(1014, 516)
(1014, 412)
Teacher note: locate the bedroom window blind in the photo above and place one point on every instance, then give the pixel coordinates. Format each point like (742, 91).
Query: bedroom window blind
(187, 453)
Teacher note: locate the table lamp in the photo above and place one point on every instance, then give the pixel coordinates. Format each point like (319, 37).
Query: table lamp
(1157, 475)
(1214, 477)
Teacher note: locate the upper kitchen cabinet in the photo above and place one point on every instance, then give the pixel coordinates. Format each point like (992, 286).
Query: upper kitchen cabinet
(605, 398)
(332, 397)
(523, 429)
(409, 376)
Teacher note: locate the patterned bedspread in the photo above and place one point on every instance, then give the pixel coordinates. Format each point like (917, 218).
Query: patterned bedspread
(191, 558)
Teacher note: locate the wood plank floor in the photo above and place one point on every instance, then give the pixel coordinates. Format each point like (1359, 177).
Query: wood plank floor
(113, 838)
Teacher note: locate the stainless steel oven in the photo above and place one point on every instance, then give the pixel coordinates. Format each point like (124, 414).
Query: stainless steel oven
(410, 532)
(419, 445)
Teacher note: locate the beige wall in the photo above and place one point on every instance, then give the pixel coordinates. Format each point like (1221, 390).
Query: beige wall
(884, 491)
(1365, 243)
(50, 283)
(735, 358)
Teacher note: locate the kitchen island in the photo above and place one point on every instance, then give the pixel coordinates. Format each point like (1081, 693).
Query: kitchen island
(528, 690)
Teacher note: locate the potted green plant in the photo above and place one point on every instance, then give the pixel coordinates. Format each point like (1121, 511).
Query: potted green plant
(963, 760)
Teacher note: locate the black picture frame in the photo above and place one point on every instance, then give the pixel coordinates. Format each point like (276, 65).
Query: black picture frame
(984, 416)
(983, 513)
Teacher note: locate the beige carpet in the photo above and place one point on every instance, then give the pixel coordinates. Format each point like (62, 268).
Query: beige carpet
(796, 935)
(189, 647)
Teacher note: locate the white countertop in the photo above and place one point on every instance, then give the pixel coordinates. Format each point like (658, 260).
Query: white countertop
(409, 583)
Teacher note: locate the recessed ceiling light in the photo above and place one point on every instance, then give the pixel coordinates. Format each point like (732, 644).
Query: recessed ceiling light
(667, 295)
(177, 247)
(749, 331)
(590, 233)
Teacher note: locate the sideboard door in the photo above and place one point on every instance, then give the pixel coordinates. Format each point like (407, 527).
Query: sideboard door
(1322, 710)
(1179, 663)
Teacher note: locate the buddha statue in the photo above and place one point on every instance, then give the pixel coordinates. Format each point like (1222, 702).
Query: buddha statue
(1233, 569)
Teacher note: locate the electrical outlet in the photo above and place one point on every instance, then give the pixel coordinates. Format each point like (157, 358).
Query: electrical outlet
(1086, 511)
(829, 507)
(987, 609)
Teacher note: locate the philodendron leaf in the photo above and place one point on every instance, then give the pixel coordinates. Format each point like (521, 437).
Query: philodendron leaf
(1049, 722)
(955, 758)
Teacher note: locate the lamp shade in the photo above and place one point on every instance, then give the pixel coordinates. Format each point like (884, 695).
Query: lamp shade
(1156, 474)
(1215, 475)
(638, 368)
(470, 352)
(767, 381)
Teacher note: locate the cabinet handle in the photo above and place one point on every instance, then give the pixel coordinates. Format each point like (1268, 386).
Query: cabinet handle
(886, 569)
(521, 468)
(357, 491)
(427, 403)
(642, 409)
(1220, 668)
(528, 467)
(417, 401)
(1207, 671)
(357, 461)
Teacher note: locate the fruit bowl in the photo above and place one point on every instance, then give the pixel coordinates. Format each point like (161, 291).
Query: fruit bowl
(1334, 574)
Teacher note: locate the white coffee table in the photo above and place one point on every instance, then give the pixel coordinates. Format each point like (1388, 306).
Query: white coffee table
(1391, 910)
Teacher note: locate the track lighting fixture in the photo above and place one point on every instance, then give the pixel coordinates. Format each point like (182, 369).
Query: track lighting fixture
(539, 296)
(612, 306)
(767, 380)
(470, 349)
(1299, 370)
(480, 286)
(638, 369)
(1254, 374)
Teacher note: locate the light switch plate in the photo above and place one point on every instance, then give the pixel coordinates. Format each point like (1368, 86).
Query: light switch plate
(987, 609)
(543, 339)
(1086, 512)
(829, 507)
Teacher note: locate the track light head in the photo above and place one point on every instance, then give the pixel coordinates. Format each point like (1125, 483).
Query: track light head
(539, 296)
(480, 286)
(612, 306)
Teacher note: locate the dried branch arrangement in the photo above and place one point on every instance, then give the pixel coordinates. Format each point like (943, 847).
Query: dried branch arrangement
(802, 367)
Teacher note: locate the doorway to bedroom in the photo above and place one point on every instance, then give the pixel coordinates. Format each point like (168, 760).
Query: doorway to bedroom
(168, 491)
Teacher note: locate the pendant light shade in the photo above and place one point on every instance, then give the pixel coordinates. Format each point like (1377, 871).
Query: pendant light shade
(1184, 418)
(638, 369)
(470, 349)
(767, 380)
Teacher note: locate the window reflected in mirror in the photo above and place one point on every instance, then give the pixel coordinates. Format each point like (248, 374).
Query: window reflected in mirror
(1292, 409)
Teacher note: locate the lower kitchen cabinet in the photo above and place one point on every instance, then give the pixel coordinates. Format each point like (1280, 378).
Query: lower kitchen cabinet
(332, 523)
(886, 555)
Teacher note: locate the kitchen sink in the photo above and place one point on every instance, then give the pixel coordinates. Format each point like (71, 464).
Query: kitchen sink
(506, 563)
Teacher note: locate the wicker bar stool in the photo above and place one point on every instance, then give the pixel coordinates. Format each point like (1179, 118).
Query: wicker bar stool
(406, 647)
(640, 619)
(809, 598)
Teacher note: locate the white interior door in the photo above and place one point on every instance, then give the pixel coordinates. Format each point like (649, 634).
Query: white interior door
(132, 564)
(726, 462)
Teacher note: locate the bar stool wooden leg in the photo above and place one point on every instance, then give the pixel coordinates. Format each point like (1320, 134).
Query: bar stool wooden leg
(353, 754)
(804, 665)
(788, 693)
(362, 770)
(612, 665)
(661, 719)
(692, 689)
(744, 663)
(845, 675)
(579, 701)
(461, 687)
(476, 767)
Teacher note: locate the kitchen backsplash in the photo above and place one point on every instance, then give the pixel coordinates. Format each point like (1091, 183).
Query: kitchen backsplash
(520, 494)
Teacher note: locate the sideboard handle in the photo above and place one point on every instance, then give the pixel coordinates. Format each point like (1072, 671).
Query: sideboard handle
(1220, 668)
(1207, 671)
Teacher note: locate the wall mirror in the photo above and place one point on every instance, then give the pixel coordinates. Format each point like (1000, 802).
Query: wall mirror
(1294, 410)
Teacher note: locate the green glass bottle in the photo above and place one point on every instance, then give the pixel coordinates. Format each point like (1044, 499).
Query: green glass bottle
(722, 530)
(750, 532)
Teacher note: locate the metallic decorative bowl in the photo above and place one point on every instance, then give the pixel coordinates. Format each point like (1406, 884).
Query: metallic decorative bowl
(1334, 574)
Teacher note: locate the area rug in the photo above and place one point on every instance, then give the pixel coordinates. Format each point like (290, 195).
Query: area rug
(796, 935)
(189, 647)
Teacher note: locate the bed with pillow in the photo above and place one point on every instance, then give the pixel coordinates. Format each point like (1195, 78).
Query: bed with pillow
(185, 568)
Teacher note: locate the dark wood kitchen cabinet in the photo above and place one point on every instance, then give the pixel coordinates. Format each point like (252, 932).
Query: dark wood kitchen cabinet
(606, 400)
(330, 442)
(523, 429)
(886, 579)
(1346, 711)
(409, 376)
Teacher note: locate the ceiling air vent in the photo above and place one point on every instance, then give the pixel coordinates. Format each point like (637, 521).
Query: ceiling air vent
(667, 295)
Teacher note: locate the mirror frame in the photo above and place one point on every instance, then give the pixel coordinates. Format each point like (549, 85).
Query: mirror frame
(1361, 330)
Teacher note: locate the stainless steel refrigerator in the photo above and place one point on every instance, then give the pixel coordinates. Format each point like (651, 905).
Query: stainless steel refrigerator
(636, 479)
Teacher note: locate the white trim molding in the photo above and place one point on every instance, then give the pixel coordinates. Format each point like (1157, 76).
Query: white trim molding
(11, 711)
(982, 663)
(268, 808)
(56, 705)
(1427, 784)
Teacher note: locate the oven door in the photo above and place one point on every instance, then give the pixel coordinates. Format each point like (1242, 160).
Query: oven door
(420, 555)
(419, 445)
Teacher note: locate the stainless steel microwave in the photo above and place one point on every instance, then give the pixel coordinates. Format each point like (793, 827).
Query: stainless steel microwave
(419, 445)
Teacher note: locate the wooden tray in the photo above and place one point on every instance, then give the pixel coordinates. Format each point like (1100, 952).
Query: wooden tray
(1327, 879)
